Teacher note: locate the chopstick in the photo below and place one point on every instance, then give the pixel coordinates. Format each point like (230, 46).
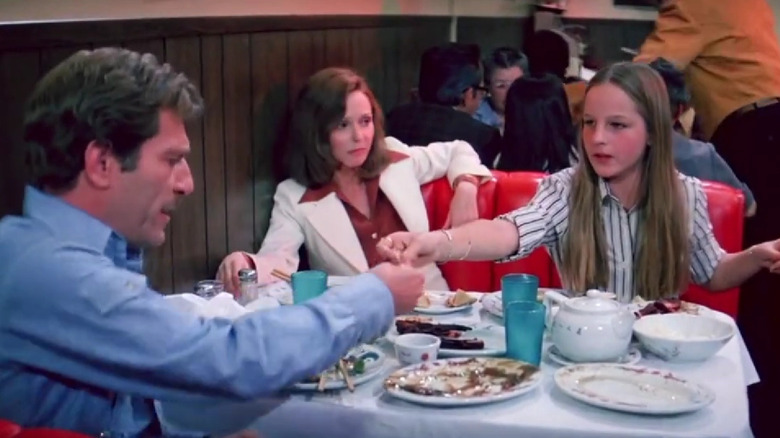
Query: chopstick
(345, 373)
(321, 384)
(281, 275)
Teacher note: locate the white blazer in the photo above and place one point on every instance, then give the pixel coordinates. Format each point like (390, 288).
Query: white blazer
(325, 228)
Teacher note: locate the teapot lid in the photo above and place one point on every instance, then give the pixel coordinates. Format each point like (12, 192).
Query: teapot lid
(594, 301)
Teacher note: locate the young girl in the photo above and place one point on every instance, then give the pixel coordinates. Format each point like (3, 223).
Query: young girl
(350, 186)
(623, 220)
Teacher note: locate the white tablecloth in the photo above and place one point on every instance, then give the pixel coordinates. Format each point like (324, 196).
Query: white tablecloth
(545, 412)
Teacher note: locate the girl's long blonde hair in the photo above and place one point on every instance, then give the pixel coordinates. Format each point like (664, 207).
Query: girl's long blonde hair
(662, 259)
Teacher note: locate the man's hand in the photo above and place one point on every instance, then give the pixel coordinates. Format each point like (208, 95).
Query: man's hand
(405, 283)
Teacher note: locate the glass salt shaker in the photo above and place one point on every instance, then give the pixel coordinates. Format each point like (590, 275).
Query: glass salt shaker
(209, 288)
(248, 285)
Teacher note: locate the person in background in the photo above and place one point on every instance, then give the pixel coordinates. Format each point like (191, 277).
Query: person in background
(351, 186)
(730, 55)
(450, 91)
(539, 133)
(609, 220)
(88, 346)
(694, 157)
(504, 66)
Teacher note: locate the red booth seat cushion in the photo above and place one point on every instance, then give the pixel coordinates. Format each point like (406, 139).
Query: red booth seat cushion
(511, 190)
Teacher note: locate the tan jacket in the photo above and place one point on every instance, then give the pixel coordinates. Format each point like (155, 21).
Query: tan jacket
(727, 48)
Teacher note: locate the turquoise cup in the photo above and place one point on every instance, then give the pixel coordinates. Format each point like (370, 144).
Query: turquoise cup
(524, 331)
(307, 285)
(518, 287)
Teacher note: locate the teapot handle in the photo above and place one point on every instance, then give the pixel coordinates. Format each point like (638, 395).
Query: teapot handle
(551, 297)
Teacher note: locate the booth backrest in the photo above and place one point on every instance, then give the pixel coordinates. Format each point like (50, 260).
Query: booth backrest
(511, 190)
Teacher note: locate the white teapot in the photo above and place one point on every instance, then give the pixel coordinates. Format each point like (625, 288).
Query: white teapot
(591, 328)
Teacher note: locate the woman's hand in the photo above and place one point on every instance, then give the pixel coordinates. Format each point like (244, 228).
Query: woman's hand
(416, 249)
(768, 255)
(228, 270)
(463, 207)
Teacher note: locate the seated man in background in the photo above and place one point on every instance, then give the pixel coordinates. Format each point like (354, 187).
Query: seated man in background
(504, 66)
(693, 157)
(88, 346)
(450, 90)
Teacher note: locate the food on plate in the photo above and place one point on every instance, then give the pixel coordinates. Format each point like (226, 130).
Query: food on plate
(451, 335)
(665, 305)
(464, 378)
(459, 299)
(424, 301)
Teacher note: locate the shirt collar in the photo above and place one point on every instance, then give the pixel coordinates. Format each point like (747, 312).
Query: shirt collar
(73, 224)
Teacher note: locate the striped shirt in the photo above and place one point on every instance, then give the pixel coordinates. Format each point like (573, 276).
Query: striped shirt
(545, 221)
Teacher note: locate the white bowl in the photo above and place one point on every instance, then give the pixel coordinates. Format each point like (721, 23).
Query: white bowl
(416, 347)
(679, 337)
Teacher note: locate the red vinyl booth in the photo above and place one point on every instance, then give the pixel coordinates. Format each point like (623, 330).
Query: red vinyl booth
(511, 190)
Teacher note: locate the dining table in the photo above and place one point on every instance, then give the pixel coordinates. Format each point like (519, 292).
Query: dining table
(546, 411)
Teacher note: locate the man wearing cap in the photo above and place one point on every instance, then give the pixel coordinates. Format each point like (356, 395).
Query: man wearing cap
(450, 91)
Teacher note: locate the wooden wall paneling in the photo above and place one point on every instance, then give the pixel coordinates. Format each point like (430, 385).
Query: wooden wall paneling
(367, 59)
(237, 95)
(214, 181)
(490, 32)
(269, 104)
(338, 48)
(305, 56)
(158, 262)
(19, 71)
(389, 38)
(50, 57)
(408, 61)
(187, 229)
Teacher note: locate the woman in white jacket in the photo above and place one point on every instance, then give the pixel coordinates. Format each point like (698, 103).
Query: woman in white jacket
(350, 186)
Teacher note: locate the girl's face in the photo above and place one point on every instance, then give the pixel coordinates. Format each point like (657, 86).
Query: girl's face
(614, 134)
(351, 139)
(500, 81)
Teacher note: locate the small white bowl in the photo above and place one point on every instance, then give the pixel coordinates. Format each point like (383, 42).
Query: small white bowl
(413, 348)
(679, 337)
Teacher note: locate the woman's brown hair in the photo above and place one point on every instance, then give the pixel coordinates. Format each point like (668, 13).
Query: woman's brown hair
(319, 109)
(662, 261)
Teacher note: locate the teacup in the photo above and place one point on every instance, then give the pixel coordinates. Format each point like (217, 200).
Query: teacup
(416, 347)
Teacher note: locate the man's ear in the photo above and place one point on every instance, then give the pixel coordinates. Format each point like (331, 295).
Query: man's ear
(99, 164)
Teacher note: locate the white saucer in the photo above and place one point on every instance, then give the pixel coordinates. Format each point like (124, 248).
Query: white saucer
(630, 358)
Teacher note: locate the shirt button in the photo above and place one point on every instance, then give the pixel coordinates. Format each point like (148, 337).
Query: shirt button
(374, 236)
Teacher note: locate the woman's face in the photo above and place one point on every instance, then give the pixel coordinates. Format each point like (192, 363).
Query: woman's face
(351, 139)
(614, 134)
(500, 81)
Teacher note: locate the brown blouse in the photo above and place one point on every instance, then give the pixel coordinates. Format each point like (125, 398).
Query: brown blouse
(383, 220)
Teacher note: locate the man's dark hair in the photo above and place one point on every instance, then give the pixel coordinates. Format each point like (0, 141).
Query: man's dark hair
(505, 57)
(679, 96)
(448, 70)
(548, 52)
(109, 95)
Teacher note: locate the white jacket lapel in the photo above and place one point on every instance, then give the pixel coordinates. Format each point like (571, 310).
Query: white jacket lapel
(403, 190)
(329, 219)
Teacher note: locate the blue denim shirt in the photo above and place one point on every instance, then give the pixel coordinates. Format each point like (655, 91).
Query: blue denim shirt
(85, 345)
(487, 115)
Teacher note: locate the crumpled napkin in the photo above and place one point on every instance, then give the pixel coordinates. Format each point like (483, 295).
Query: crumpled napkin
(220, 306)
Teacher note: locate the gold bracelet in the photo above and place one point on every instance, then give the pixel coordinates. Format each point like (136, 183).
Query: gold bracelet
(468, 250)
(452, 245)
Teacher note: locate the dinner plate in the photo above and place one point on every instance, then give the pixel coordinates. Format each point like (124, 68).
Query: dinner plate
(631, 388)
(632, 356)
(438, 307)
(492, 302)
(374, 359)
(463, 381)
(491, 334)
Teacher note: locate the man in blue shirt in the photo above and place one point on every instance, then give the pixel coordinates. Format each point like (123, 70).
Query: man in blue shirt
(85, 345)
